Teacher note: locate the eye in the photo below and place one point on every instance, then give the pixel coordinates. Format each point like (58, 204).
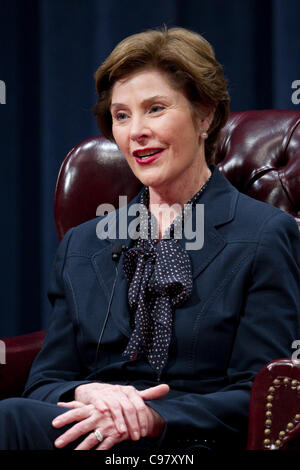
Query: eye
(156, 108)
(120, 116)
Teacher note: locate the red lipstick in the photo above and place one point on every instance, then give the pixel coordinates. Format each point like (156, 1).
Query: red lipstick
(141, 155)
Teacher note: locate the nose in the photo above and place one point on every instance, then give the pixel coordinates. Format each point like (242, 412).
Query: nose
(139, 129)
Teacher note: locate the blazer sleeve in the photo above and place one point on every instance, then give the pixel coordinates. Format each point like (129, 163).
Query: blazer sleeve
(269, 323)
(57, 368)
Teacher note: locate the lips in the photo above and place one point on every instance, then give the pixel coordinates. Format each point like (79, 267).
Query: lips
(147, 155)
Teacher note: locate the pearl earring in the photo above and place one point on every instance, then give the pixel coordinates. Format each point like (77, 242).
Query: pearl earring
(204, 135)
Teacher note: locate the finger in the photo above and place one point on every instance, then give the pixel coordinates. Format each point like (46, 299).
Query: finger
(71, 404)
(99, 403)
(72, 415)
(140, 407)
(111, 404)
(108, 430)
(110, 441)
(88, 443)
(153, 393)
(125, 410)
(76, 431)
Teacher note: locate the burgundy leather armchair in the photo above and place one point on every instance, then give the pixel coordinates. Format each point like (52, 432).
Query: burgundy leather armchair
(259, 152)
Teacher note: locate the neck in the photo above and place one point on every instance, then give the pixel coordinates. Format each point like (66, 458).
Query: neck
(181, 192)
(168, 202)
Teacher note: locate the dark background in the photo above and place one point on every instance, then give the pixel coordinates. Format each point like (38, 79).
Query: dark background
(49, 51)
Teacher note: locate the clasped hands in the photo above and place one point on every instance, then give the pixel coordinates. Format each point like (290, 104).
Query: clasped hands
(118, 411)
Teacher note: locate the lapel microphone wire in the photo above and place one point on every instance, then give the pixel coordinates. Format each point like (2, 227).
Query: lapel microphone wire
(117, 250)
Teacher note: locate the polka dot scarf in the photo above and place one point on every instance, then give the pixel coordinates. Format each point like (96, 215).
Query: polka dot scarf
(160, 279)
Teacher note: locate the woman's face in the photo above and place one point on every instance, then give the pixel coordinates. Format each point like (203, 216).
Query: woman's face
(154, 128)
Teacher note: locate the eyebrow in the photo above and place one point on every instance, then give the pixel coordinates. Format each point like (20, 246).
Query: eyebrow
(144, 102)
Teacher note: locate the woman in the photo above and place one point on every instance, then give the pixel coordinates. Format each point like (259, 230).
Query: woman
(163, 353)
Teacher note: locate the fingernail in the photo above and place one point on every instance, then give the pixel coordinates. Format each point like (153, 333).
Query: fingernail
(59, 442)
(122, 428)
(136, 435)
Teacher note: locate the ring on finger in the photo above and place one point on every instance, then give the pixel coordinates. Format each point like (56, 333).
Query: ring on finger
(98, 435)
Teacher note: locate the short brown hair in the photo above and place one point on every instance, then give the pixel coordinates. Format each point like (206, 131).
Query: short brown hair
(190, 63)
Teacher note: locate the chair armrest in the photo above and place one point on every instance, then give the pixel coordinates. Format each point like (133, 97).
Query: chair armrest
(274, 418)
(18, 353)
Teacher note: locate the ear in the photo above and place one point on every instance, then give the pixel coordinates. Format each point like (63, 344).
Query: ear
(205, 117)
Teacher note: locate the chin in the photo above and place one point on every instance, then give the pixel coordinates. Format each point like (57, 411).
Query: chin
(152, 180)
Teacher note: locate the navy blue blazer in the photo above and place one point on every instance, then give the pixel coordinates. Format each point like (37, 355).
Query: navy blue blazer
(244, 311)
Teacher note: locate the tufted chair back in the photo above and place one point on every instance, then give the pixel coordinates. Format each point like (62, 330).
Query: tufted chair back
(259, 153)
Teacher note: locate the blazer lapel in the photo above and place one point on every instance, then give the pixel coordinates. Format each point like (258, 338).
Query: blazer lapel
(110, 274)
(219, 203)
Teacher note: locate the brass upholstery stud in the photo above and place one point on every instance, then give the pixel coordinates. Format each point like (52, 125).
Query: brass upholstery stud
(268, 414)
